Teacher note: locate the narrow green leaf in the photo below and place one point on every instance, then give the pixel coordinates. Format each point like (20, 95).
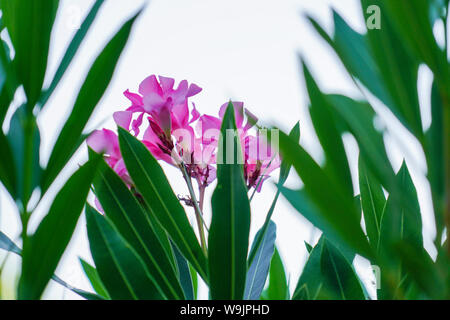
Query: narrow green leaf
(285, 167)
(8, 245)
(230, 223)
(71, 51)
(326, 202)
(328, 275)
(259, 269)
(121, 270)
(7, 165)
(162, 203)
(132, 222)
(24, 139)
(29, 25)
(91, 92)
(92, 274)
(373, 203)
(308, 247)
(184, 274)
(43, 250)
(326, 127)
(278, 288)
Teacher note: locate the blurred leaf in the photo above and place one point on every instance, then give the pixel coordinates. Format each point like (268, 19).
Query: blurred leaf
(322, 200)
(278, 287)
(24, 139)
(94, 278)
(285, 167)
(184, 274)
(131, 221)
(412, 20)
(259, 269)
(29, 25)
(7, 165)
(435, 157)
(336, 163)
(194, 277)
(121, 270)
(85, 294)
(328, 275)
(43, 250)
(91, 92)
(230, 223)
(308, 247)
(7, 244)
(373, 203)
(162, 203)
(71, 51)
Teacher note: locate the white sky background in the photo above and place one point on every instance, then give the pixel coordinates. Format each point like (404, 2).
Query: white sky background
(244, 50)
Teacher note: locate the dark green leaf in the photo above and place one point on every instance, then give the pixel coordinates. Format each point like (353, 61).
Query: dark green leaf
(121, 270)
(43, 250)
(184, 274)
(94, 278)
(259, 269)
(91, 92)
(71, 51)
(24, 139)
(323, 199)
(134, 225)
(230, 223)
(162, 203)
(29, 25)
(7, 165)
(328, 275)
(278, 287)
(373, 203)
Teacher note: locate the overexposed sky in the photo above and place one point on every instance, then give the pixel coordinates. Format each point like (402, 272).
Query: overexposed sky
(244, 50)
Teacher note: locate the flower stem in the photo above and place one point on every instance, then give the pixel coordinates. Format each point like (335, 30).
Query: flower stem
(197, 207)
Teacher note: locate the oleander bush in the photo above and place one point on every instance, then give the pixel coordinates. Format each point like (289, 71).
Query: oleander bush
(141, 240)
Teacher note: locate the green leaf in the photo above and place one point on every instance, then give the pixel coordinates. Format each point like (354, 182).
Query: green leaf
(71, 51)
(160, 200)
(308, 247)
(373, 203)
(134, 225)
(94, 278)
(389, 53)
(259, 269)
(7, 165)
(328, 275)
(412, 20)
(285, 167)
(43, 250)
(435, 157)
(329, 134)
(121, 270)
(230, 223)
(29, 25)
(184, 274)
(399, 224)
(85, 294)
(8, 89)
(278, 287)
(325, 202)
(24, 139)
(92, 90)
(8, 245)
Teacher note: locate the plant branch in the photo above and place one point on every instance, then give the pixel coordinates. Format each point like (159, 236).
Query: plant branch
(198, 210)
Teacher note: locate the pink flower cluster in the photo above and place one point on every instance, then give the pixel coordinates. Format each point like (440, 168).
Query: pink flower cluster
(175, 134)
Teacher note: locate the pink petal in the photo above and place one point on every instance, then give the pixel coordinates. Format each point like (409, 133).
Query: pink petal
(104, 141)
(150, 85)
(123, 118)
(166, 83)
(194, 114)
(193, 90)
(135, 99)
